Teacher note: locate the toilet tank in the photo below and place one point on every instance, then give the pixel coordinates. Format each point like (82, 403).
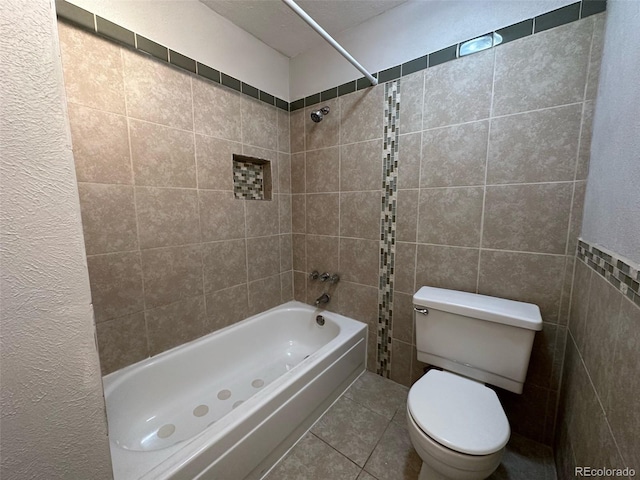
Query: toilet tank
(485, 338)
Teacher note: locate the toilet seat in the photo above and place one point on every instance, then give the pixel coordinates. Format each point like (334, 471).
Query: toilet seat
(459, 413)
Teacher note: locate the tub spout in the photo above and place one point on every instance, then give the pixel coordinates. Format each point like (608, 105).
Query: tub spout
(322, 299)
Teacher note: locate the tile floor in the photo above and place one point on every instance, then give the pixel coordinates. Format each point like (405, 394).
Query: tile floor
(363, 436)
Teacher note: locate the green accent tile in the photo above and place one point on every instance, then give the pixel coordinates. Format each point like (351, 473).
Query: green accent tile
(414, 66)
(312, 100)
(229, 81)
(516, 31)
(115, 32)
(251, 91)
(75, 14)
(282, 105)
(363, 82)
(266, 98)
(182, 61)
(208, 72)
(591, 7)
(152, 48)
(442, 56)
(557, 17)
(329, 94)
(347, 88)
(390, 74)
(297, 105)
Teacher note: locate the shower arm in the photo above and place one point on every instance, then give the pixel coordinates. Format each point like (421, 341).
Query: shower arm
(313, 24)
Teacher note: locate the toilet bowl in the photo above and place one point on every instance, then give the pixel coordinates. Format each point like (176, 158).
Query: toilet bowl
(457, 427)
(456, 423)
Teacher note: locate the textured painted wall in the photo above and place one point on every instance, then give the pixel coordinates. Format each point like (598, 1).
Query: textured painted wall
(612, 203)
(53, 419)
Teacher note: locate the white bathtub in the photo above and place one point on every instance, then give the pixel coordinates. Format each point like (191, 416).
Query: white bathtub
(227, 406)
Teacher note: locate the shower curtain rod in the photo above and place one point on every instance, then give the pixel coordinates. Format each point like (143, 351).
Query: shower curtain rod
(313, 24)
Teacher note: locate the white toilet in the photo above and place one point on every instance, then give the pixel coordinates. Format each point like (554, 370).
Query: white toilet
(456, 423)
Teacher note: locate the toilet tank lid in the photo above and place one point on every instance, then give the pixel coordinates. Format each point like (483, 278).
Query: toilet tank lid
(483, 307)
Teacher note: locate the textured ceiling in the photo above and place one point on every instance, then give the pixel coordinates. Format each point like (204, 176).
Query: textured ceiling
(276, 25)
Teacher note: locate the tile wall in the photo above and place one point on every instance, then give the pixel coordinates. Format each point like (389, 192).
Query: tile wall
(598, 417)
(492, 161)
(172, 255)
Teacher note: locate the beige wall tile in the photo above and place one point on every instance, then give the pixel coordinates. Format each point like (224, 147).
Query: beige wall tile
(323, 170)
(595, 57)
(300, 286)
(532, 218)
(586, 133)
(601, 334)
(100, 146)
(542, 70)
(92, 69)
(217, 111)
(359, 214)
(361, 115)
(577, 209)
(175, 324)
(327, 132)
(322, 213)
(284, 131)
(524, 277)
(535, 146)
(286, 286)
(405, 267)
(359, 302)
(400, 363)
(403, 317)
(224, 264)
(322, 253)
(450, 216)
(298, 173)
(412, 92)
(284, 213)
(299, 252)
(259, 124)
(298, 213)
(171, 274)
(215, 162)
(447, 267)
(167, 216)
(264, 294)
(407, 215)
(284, 173)
(446, 91)
(162, 156)
(122, 342)
(263, 257)
(409, 159)
(262, 217)
(622, 412)
(542, 356)
(226, 307)
(222, 217)
(157, 92)
(286, 253)
(297, 126)
(116, 285)
(361, 166)
(108, 218)
(580, 302)
(454, 156)
(359, 261)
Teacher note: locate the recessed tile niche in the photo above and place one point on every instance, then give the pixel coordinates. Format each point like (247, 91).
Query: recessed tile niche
(251, 178)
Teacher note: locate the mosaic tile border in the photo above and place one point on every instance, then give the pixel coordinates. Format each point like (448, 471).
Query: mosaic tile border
(96, 24)
(388, 226)
(555, 18)
(248, 181)
(619, 272)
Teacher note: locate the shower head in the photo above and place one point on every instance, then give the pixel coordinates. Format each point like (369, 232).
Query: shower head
(318, 114)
